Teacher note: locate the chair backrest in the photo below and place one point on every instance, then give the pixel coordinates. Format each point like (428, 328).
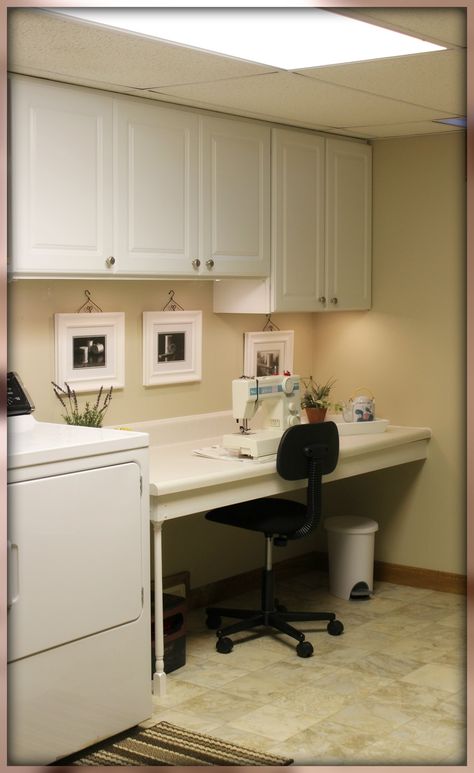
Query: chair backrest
(308, 451)
(303, 442)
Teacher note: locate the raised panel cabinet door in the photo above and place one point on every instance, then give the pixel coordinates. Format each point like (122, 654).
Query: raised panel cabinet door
(235, 196)
(157, 189)
(61, 179)
(297, 221)
(348, 224)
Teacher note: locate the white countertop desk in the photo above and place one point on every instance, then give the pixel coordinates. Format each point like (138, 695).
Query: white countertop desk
(182, 483)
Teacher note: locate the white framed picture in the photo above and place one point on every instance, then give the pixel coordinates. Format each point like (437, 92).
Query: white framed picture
(90, 350)
(172, 347)
(268, 353)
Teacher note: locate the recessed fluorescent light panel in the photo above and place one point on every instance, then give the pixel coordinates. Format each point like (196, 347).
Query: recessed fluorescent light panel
(460, 122)
(285, 38)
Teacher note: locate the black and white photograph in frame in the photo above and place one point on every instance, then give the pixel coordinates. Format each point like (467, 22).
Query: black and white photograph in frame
(172, 347)
(268, 353)
(90, 350)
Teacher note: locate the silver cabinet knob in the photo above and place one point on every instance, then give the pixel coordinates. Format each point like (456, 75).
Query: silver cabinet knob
(333, 300)
(322, 299)
(196, 263)
(110, 261)
(210, 264)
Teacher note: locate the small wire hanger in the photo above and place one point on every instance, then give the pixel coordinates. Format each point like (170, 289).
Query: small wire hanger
(89, 305)
(269, 325)
(172, 305)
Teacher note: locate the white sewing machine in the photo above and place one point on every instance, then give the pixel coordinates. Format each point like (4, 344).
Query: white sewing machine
(279, 400)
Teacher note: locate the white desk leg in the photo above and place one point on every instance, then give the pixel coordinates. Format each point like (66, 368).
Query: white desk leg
(159, 677)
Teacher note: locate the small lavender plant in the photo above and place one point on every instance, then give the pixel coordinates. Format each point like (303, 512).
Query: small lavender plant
(88, 416)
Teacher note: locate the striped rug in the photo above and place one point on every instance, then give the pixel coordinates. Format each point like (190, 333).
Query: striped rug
(166, 744)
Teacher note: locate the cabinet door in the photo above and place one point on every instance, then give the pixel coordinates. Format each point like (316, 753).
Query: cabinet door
(297, 221)
(61, 179)
(235, 215)
(157, 189)
(348, 224)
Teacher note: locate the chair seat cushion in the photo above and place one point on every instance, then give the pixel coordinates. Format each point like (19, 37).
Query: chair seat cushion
(270, 516)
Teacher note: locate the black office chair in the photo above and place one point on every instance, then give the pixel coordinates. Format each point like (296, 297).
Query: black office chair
(305, 451)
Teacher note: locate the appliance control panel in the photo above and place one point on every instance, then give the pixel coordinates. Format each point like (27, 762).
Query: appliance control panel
(18, 401)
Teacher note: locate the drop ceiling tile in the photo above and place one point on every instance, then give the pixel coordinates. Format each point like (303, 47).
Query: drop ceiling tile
(435, 80)
(47, 41)
(291, 97)
(440, 25)
(406, 129)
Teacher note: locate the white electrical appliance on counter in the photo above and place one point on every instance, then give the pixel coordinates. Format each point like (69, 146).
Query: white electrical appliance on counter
(278, 397)
(78, 584)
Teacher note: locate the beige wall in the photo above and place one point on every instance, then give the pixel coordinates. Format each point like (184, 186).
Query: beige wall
(33, 303)
(409, 349)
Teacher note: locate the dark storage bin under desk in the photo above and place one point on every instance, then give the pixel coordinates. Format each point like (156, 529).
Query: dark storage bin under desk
(174, 632)
(174, 628)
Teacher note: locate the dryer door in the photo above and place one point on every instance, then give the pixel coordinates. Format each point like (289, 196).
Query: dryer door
(75, 563)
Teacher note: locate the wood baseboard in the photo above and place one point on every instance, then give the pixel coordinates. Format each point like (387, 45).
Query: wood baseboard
(215, 592)
(448, 582)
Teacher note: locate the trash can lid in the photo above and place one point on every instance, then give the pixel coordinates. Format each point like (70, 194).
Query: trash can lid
(350, 524)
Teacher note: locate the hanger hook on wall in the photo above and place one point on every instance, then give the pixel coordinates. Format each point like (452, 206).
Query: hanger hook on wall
(89, 305)
(269, 325)
(172, 305)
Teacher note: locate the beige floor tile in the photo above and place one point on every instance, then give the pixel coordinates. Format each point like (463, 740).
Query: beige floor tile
(177, 691)
(266, 721)
(442, 677)
(219, 705)
(385, 665)
(409, 697)
(348, 683)
(389, 751)
(400, 592)
(212, 673)
(328, 743)
(379, 717)
(424, 650)
(432, 729)
(308, 698)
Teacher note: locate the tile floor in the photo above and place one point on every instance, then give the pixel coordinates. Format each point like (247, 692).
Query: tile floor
(390, 690)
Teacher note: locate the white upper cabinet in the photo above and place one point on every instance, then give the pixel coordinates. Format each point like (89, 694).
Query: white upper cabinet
(61, 172)
(157, 189)
(109, 185)
(297, 277)
(321, 230)
(235, 196)
(348, 224)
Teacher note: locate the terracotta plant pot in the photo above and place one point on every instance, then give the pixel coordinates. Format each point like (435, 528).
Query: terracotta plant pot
(315, 415)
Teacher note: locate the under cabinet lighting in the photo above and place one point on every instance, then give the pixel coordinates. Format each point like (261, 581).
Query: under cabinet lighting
(286, 38)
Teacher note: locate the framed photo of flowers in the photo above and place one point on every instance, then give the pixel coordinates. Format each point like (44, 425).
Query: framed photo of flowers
(172, 347)
(90, 350)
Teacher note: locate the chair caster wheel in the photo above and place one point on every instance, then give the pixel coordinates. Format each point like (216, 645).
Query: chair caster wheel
(224, 645)
(335, 628)
(213, 621)
(304, 649)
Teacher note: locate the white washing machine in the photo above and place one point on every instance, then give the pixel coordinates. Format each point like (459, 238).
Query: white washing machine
(79, 666)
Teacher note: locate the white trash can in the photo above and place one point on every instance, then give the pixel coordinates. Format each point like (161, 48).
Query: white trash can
(351, 541)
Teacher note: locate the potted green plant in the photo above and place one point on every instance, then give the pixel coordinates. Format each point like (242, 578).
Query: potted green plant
(87, 416)
(316, 401)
